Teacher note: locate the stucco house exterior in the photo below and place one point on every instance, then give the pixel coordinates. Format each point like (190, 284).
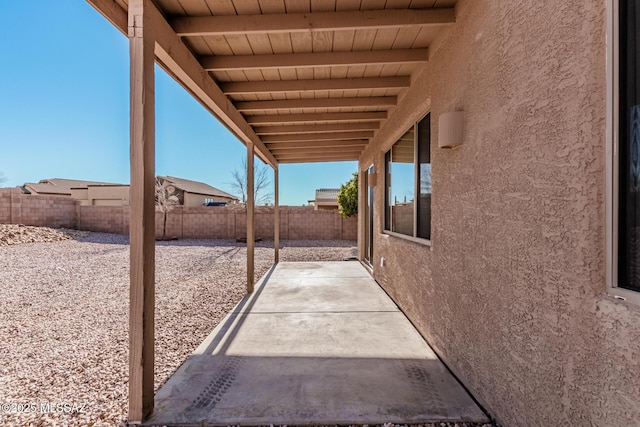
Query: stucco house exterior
(326, 199)
(92, 193)
(195, 193)
(498, 182)
(62, 187)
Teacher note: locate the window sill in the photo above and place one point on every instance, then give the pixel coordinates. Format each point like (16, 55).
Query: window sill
(624, 295)
(418, 240)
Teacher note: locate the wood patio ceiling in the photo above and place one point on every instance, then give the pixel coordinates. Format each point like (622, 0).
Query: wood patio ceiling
(310, 80)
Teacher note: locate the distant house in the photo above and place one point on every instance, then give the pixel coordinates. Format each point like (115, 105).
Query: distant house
(326, 199)
(93, 193)
(59, 186)
(195, 193)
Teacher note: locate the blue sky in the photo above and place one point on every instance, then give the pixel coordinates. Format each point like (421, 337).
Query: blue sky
(64, 109)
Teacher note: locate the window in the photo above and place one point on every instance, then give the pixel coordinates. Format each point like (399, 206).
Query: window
(624, 207)
(408, 178)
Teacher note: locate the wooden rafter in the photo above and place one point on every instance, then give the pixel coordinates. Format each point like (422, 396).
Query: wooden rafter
(306, 60)
(333, 127)
(275, 119)
(308, 159)
(305, 22)
(288, 104)
(279, 86)
(316, 150)
(317, 136)
(329, 144)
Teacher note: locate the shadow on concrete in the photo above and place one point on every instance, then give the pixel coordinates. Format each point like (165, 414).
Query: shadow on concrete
(317, 343)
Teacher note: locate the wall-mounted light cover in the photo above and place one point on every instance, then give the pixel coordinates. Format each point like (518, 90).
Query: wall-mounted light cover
(450, 129)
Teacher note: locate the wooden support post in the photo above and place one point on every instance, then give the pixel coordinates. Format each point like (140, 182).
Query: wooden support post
(276, 217)
(251, 241)
(142, 225)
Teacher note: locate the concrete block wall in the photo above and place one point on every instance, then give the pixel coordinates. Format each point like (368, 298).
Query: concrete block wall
(106, 219)
(212, 222)
(5, 206)
(52, 211)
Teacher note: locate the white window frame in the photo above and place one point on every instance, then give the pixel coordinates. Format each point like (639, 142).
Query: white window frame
(416, 183)
(612, 169)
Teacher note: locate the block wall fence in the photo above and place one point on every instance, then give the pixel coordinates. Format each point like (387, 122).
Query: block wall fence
(207, 222)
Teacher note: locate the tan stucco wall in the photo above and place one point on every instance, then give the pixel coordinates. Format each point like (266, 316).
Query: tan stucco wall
(103, 195)
(512, 292)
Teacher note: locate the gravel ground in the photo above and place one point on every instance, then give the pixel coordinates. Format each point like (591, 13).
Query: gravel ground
(13, 234)
(64, 310)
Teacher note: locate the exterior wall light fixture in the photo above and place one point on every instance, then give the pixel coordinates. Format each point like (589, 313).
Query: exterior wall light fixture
(450, 129)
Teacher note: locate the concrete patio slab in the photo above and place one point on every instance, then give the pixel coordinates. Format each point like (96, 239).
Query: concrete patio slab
(317, 343)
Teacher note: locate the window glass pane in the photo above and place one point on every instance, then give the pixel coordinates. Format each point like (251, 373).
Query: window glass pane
(424, 177)
(629, 166)
(402, 189)
(387, 190)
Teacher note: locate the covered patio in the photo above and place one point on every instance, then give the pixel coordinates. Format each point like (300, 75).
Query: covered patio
(316, 344)
(296, 82)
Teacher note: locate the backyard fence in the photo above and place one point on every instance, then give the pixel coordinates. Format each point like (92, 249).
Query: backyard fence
(210, 222)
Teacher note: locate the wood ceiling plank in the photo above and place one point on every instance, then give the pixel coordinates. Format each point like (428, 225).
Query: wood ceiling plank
(264, 119)
(247, 61)
(348, 5)
(297, 6)
(333, 127)
(280, 43)
(218, 45)
(316, 103)
(195, 7)
(327, 136)
(246, 7)
(373, 4)
(356, 72)
(272, 6)
(384, 38)
(406, 37)
(221, 7)
(315, 85)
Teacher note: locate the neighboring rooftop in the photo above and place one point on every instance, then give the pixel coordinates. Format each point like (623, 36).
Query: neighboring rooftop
(327, 193)
(59, 186)
(196, 187)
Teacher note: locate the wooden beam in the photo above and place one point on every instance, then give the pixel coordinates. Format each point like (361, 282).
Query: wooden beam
(319, 159)
(324, 144)
(274, 119)
(180, 63)
(332, 127)
(276, 216)
(280, 86)
(251, 234)
(309, 157)
(317, 136)
(318, 59)
(288, 104)
(309, 22)
(142, 216)
(317, 150)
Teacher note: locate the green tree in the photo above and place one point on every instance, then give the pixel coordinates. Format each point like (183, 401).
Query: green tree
(348, 197)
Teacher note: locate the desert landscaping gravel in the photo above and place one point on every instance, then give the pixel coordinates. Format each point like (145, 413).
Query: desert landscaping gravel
(64, 311)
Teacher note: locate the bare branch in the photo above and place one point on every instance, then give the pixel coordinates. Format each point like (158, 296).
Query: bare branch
(261, 186)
